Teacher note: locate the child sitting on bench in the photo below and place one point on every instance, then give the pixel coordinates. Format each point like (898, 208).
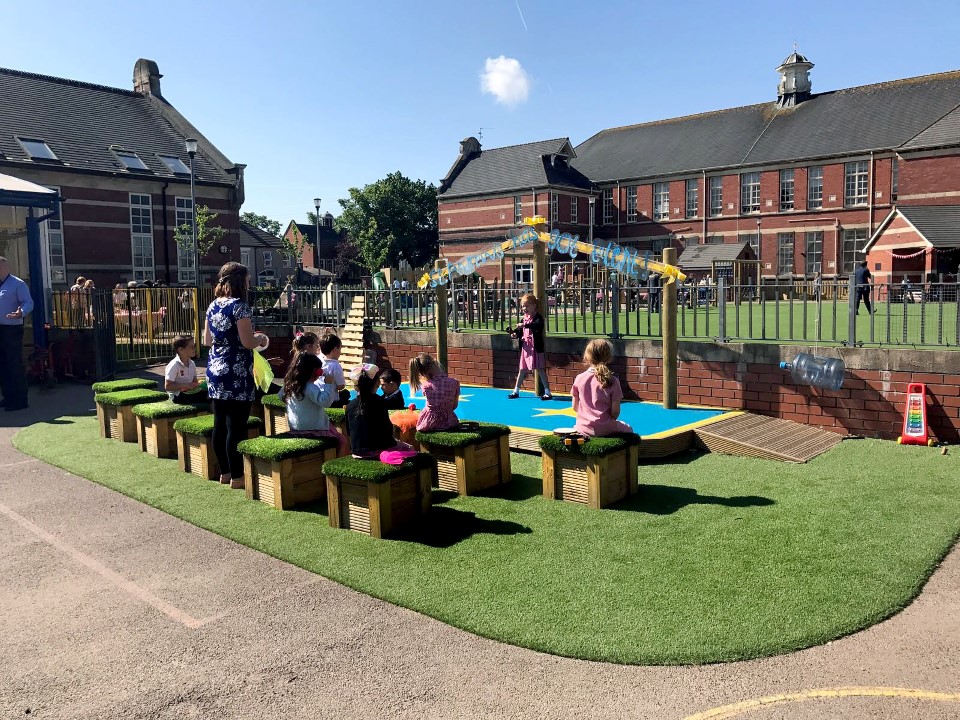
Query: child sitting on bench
(441, 392)
(307, 393)
(597, 393)
(368, 420)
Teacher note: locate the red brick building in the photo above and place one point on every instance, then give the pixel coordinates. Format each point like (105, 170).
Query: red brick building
(118, 159)
(806, 179)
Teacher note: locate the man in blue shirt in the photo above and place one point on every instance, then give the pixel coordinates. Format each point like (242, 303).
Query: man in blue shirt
(864, 286)
(15, 303)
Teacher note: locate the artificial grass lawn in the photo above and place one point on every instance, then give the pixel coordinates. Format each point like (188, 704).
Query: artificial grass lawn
(716, 559)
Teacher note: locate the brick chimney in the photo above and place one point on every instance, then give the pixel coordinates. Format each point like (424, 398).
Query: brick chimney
(146, 78)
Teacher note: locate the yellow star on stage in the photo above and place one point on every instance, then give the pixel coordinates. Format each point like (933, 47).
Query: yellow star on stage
(463, 398)
(547, 412)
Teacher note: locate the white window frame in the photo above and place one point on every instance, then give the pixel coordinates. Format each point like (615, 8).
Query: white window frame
(661, 201)
(607, 206)
(749, 193)
(693, 198)
(54, 231)
(894, 177)
(574, 210)
(267, 259)
(186, 259)
(631, 203)
(246, 259)
(716, 195)
(787, 188)
(287, 260)
(855, 183)
(752, 240)
(813, 247)
(554, 207)
(815, 187)
(517, 210)
(523, 273)
(786, 252)
(853, 243)
(141, 237)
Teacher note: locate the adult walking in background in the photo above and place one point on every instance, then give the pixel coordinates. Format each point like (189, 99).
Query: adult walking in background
(229, 334)
(15, 304)
(864, 280)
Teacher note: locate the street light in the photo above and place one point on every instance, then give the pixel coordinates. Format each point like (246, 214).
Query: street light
(316, 217)
(191, 145)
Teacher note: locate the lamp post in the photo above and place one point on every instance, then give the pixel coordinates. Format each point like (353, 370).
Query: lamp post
(316, 217)
(191, 145)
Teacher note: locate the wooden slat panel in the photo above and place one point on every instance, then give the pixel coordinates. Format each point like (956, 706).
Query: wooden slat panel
(447, 474)
(572, 482)
(355, 514)
(766, 437)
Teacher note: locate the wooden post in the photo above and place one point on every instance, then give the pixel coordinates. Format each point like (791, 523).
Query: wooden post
(668, 323)
(540, 290)
(441, 320)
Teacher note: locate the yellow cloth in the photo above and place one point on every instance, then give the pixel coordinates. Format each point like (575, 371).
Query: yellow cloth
(262, 372)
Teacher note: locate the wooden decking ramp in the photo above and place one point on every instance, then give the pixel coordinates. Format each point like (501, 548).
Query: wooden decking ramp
(766, 437)
(352, 335)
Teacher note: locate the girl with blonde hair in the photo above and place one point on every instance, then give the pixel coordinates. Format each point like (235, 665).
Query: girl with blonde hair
(441, 392)
(597, 394)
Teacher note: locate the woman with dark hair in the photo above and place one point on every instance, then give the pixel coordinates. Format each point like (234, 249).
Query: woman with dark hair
(229, 334)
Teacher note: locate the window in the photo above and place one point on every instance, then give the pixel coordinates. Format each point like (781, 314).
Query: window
(715, 240)
(784, 253)
(855, 183)
(661, 201)
(716, 195)
(786, 190)
(813, 245)
(36, 149)
(141, 236)
(607, 206)
(267, 259)
(288, 261)
(554, 207)
(750, 193)
(246, 258)
(657, 246)
(692, 198)
(130, 160)
(574, 209)
(174, 164)
(632, 204)
(894, 178)
(55, 255)
(752, 240)
(853, 244)
(523, 274)
(517, 210)
(815, 187)
(186, 258)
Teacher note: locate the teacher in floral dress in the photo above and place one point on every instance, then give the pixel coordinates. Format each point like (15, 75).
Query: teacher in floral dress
(229, 334)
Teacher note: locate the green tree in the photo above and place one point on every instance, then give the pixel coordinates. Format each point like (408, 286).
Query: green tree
(262, 222)
(208, 234)
(392, 218)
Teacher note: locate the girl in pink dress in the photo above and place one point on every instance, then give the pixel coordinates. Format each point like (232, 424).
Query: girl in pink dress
(597, 394)
(441, 392)
(532, 352)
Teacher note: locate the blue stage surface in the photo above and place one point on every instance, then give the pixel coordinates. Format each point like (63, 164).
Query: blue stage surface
(532, 414)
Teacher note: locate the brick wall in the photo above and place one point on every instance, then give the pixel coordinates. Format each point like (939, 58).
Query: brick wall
(735, 377)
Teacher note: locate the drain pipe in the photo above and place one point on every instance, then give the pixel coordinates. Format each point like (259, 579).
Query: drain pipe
(705, 198)
(166, 230)
(870, 199)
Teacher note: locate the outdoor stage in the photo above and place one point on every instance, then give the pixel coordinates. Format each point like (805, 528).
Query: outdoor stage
(664, 432)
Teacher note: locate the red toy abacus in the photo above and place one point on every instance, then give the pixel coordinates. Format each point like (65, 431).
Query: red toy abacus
(915, 429)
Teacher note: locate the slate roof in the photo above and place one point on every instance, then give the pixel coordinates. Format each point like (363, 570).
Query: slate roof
(939, 224)
(251, 235)
(700, 257)
(81, 121)
(328, 236)
(854, 120)
(515, 167)
(945, 131)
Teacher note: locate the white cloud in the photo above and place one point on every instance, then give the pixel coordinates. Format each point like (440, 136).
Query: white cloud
(506, 80)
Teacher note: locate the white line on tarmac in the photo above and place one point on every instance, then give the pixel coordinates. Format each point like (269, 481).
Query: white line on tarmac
(128, 586)
(22, 462)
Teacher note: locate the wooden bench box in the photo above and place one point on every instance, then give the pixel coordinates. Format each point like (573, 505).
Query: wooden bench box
(595, 480)
(115, 412)
(155, 421)
(396, 495)
(469, 462)
(195, 444)
(274, 415)
(284, 470)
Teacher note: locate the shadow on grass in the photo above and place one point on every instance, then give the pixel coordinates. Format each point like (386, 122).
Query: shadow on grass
(446, 526)
(668, 499)
(522, 487)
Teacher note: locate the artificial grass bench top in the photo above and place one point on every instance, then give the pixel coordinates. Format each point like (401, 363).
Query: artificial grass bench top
(274, 401)
(594, 447)
(110, 386)
(283, 446)
(338, 416)
(130, 397)
(459, 439)
(166, 409)
(203, 425)
(373, 470)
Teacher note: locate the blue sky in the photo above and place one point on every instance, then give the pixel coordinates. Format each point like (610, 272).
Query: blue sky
(317, 97)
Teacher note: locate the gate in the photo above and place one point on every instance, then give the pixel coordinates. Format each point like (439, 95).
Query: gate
(104, 333)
